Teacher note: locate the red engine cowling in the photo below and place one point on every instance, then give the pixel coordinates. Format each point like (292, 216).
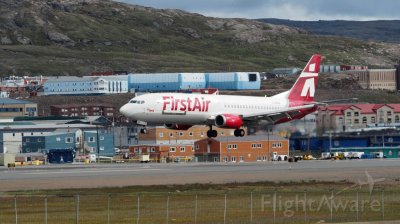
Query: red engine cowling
(228, 121)
(182, 127)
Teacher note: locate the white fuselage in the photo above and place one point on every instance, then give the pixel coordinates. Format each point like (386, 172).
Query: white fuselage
(191, 109)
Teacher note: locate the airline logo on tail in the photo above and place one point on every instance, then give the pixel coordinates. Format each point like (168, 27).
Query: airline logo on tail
(304, 88)
(308, 88)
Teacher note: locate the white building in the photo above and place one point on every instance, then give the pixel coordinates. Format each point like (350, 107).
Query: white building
(87, 85)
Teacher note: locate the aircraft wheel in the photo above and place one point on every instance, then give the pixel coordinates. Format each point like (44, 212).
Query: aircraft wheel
(214, 133)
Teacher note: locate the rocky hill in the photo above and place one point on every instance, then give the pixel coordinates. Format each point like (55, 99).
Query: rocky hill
(378, 30)
(66, 37)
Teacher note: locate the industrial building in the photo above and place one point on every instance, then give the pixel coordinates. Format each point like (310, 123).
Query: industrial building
(283, 72)
(11, 108)
(88, 85)
(233, 80)
(380, 79)
(369, 141)
(158, 82)
(254, 148)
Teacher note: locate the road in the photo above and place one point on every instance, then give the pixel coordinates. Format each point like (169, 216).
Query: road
(119, 175)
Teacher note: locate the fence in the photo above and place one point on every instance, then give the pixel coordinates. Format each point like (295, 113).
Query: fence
(180, 207)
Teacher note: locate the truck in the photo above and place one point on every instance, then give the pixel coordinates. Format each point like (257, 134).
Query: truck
(277, 157)
(144, 158)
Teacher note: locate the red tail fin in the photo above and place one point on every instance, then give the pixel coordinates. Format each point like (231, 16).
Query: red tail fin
(304, 88)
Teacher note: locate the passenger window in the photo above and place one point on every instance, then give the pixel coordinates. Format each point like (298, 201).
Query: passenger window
(132, 101)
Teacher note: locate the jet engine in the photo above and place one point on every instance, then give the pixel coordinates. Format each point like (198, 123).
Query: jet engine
(228, 121)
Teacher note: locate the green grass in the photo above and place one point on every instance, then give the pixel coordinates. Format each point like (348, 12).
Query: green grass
(205, 203)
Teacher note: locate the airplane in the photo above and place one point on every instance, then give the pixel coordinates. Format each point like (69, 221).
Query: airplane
(180, 111)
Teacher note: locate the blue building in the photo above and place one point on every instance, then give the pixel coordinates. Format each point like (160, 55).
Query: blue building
(71, 140)
(158, 82)
(233, 80)
(88, 85)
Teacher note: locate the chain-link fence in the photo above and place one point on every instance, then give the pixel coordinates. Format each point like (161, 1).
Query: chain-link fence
(178, 207)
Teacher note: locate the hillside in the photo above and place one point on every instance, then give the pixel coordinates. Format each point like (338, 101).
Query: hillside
(379, 30)
(65, 37)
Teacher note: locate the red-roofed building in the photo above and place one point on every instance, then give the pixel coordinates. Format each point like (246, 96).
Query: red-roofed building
(352, 116)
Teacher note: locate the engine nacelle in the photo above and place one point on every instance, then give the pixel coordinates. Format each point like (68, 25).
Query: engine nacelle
(182, 127)
(228, 121)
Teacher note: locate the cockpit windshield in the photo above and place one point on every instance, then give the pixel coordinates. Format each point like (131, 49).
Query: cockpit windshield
(137, 101)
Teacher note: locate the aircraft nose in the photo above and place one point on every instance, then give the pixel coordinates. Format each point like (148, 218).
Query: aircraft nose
(124, 110)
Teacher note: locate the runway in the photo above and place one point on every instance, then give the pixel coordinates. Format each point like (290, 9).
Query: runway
(119, 175)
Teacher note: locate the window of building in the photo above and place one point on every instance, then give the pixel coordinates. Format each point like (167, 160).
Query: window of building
(27, 140)
(152, 149)
(356, 121)
(225, 159)
(172, 149)
(233, 158)
(68, 140)
(259, 145)
(241, 158)
(197, 147)
(91, 139)
(171, 134)
(373, 120)
(102, 137)
(348, 114)
(182, 149)
(58, 139)
(101, 148)
(190, 133)
(161, 135)
(234, 146)
(389, 113)
(39, 140)
(356, 114)
(396, 119)
(364, 120)
(180, 133)
(258, 158)
(264, 158)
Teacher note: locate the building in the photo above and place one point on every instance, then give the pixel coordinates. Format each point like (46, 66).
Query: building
(164, 153)
(12, 134)
(158, 82)
(340, 117)
(283, 72)
(76, 110)
(161, 135)
(88, 85)
(369, 141)
(10, 108)
(379, 79)
(254, 148)
(233, 80)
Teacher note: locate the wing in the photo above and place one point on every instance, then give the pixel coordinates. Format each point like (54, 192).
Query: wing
(280, 116)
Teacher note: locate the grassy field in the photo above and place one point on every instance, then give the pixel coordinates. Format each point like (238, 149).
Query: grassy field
(231, 203)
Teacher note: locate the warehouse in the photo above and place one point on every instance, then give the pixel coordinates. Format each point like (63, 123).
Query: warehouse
(254, 148)
(233, 80)
(163, 153)
(158, 82)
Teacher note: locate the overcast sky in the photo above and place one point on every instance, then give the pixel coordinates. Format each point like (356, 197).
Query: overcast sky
(284, 9)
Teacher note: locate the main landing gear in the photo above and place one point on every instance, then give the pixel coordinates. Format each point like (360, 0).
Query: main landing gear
(213, 133)
(239, 132)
